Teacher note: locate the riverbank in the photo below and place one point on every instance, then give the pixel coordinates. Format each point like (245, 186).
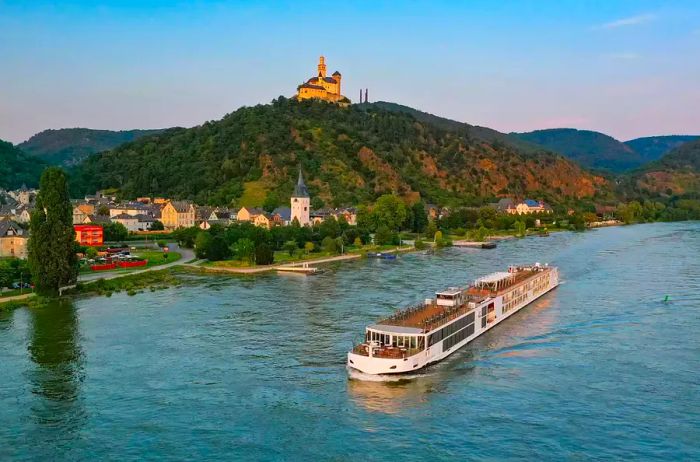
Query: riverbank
(294, 264)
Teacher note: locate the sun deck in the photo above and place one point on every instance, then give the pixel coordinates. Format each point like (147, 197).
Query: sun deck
(438, 311)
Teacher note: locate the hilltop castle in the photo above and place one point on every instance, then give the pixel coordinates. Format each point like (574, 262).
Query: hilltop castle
(322, 87)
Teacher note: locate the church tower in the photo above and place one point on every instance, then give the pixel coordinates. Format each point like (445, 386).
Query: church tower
(300, 202)
(322, 66)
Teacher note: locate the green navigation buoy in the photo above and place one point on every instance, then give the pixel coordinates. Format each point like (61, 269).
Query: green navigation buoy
(667, 299)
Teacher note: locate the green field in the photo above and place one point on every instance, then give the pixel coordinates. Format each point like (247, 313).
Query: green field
(254, 194)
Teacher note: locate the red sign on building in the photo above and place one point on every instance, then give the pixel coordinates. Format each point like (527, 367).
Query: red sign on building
(89, 235)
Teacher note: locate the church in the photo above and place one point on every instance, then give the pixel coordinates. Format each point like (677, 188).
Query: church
(301, 203)
(322, 86)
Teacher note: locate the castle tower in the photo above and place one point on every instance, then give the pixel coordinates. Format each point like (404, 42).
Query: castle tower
(322, 66)
(338, 77)
(300, 202)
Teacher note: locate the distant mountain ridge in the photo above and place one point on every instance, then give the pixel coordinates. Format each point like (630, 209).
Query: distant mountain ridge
(599, 151)
(589, 148)
(69, 146)
(652, 148)
(676, 173)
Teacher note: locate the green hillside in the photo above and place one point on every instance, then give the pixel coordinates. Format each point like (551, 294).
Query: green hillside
(676, 173)
(471, 131)
(16, 168)
(588, 148)
(652, 148)
(68, 146)
(349, 155)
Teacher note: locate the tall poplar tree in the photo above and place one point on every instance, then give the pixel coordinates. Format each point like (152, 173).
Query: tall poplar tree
(52, 258)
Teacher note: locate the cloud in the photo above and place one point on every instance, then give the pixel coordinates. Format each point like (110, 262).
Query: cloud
(630, 21)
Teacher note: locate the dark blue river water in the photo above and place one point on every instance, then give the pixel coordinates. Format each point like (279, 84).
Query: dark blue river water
(254, 369)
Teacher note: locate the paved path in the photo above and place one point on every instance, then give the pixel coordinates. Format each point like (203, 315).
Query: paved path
(185, 256)
(265, 268)
(16, 297)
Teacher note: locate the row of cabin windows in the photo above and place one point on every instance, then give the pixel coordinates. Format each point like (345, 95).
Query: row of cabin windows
(399, 341)
(450, 329)
(458, 337)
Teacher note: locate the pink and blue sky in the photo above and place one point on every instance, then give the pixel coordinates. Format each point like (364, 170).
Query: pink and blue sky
(626, 68)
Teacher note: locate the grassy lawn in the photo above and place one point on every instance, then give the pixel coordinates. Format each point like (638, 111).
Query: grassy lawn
(13, 292)
(282, 256)
(254, 194)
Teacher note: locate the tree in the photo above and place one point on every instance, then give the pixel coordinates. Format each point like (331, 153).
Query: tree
(157, 226)
(420, 218)
(419, 244)
(389, 211)
(264, 255)
(218, 249)
(383, 236)
(201, 244)
(309, 247)
(244, 249)
(91, 252)
(52, 258)
(328, 244)
(431, 229)
(290, 246)
(103, 210)
(357, 242)
(115, 232)
(519, 228)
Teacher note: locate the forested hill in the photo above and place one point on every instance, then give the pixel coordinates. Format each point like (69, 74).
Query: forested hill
(16, 168)
(474, 132)
(676, 173)
(588, 148)
(349, 155)
(653, 148)
(68, 146)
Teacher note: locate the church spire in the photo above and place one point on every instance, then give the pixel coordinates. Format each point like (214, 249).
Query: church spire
(300, 189)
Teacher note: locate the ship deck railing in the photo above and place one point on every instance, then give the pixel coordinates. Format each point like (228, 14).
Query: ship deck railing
(387, 352)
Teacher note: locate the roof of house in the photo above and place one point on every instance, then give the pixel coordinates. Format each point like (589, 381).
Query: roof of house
(336, 73)
(531, 203)
(284, 212)
(124, 216)
(7, 225)
(99, 219)
(202, 213)
(181, 206)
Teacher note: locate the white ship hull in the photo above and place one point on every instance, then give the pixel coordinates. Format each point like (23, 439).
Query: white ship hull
(472, 324)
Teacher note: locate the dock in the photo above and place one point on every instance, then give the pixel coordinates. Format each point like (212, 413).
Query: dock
(475, 244)
(304, 269)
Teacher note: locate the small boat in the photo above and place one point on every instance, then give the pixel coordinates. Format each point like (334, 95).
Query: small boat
(488, 245)
(383, 255)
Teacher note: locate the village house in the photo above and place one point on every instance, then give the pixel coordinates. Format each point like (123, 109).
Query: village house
(13, 240)
(89, 235)
(178, 214)
(17, 213)
(129, 208)
(525, 207)
(248, 213)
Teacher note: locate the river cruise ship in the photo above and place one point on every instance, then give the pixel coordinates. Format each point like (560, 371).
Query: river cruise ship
(412, 338)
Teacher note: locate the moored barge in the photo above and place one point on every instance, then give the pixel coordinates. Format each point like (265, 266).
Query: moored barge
(415, 337)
